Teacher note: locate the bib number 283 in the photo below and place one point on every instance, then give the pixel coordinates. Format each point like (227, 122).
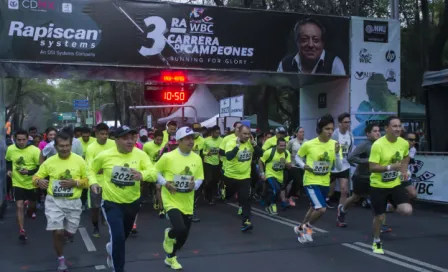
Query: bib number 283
(156, 35)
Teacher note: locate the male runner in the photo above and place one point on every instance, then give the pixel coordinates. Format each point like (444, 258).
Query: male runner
(211, 163)
(102, 143)
(222, 153)
(407, 184)
(124, 167)
(388, 160)
(274, 161)
(180, 172)
(22, 162)
(272, 141)
(321, 153)
(171, 128)
(153, 149)
(345, 138)
(296, 173)
(68, 177)
(361, 178)
(237, 173)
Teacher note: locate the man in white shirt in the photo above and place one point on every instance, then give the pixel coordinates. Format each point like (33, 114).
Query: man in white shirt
(345, 138)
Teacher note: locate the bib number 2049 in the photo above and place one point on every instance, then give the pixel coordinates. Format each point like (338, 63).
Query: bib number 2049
(156, 35)
(59, 191)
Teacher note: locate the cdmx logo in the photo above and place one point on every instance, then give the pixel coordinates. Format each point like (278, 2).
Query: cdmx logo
(422, 183)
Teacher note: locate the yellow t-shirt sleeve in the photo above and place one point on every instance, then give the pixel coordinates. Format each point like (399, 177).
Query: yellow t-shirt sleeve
(149, 172)
(288, 157)
(93, 168)
(41, 173)
(199, 173)
(36, 156)
(303, 150)
(160, 166)
(230, 146)
(375, 154)
(265, 156)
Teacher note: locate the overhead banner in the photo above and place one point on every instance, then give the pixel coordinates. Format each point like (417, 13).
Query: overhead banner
(157, 34)
(375, 72)
(429, 177)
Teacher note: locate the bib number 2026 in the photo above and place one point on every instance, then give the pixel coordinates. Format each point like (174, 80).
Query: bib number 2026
(156, 35)
(122, 176)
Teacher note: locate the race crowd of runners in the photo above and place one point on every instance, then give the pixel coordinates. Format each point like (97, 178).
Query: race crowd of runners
(67, 171)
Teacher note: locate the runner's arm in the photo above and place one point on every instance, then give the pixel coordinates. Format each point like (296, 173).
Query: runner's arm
(232, 153)
(149, 172)
(355, 155)
(299, 161)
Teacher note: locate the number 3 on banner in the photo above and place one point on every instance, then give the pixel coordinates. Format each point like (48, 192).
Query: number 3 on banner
(156, 35)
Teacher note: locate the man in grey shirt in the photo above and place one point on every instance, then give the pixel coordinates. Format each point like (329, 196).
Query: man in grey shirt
(361, 178)
(49, 150)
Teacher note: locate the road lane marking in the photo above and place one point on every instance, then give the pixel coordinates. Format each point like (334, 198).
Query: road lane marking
(385, 258)
(100, 267)
(87, 241)
(276, 218)
(408, 259)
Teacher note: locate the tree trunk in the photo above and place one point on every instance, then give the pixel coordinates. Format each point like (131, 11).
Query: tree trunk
(113, 86)
(425, 31)
(436, 52)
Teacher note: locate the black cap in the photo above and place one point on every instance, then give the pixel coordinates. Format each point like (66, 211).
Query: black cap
(124, 130)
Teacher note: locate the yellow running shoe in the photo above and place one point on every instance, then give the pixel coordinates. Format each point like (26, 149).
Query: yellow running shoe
(377, 247)
(168, 243)
(173, 263)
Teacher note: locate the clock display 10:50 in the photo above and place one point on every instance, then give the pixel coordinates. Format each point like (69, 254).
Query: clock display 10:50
(174, 96)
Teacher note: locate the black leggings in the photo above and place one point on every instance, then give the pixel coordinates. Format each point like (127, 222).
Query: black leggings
(243, 189)
(212, 176)
(181, 224)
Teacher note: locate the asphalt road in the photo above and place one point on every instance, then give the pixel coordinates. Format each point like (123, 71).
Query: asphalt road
(417, 243)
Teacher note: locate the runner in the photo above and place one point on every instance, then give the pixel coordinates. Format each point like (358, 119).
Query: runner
(102, 143)
(180, 172)
(296, 173)
(86, 139)
(212, 168)
(345, 138)
(22, 161)
(388, 160)
(280, 132)
(321, 153)
(68, 177)
(222, 155)
(407, 184)
(361, 177)
(124, 167)
(239, 154)
(171, 128)
(198, 149)
(153, 149)
(273, 162)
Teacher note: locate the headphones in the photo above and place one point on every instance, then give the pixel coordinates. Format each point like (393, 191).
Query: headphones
(318, 127)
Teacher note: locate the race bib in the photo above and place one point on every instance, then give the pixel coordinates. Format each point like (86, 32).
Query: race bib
(182, 182)
(344, 150)
(58, 191)
(244, 156)
(321, 168)
(278, 166)
(214, 151)
(122, 176)
(389, 176)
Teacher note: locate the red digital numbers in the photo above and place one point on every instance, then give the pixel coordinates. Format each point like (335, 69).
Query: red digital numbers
(174, 96)
(173, 77)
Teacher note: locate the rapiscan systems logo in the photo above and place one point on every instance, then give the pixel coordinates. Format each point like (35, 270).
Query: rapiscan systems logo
(53, 37)
(13, 4)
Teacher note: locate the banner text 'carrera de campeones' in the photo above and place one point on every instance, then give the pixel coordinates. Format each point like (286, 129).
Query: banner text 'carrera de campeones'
(154, 34)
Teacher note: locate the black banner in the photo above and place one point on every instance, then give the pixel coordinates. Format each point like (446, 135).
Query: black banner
(164, 35)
